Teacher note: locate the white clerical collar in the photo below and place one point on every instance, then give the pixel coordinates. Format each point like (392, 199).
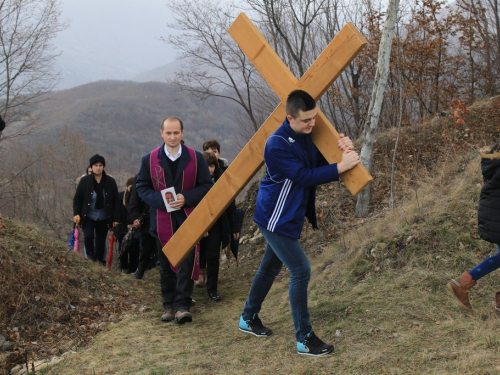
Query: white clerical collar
(173, 157)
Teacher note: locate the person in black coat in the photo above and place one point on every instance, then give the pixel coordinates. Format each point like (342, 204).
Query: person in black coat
(129, 256)
(489, 228)
(173, 165)
(138, 215)
(96, 208)
(219, 236)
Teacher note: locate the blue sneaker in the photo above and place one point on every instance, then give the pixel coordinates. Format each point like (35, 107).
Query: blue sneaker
(313, 346)
(254, 326)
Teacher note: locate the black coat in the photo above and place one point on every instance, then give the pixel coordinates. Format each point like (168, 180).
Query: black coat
(489, 201)
(154, 199)
(121, 229)
(227, 224)
(83, 199)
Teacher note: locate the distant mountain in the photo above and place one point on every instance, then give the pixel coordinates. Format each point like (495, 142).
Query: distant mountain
(161, 74)
(77, 68)
(167, 72)
(121, 119)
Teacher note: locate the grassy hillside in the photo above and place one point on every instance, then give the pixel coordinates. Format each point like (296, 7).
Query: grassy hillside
(379, 295)
(377, 290)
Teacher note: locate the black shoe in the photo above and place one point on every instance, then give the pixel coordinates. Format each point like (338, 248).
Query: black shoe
(254, 327)
(138, 274)
(313, 346)
(214, 297)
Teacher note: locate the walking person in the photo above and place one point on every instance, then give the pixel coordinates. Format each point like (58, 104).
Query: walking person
(219, 236)
(173, 165)
(138, 213)
(294, 167)
(96, 205)
(489, 228)
(129, 257)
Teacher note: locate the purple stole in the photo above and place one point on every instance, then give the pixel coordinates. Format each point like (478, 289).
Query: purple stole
(163, 218)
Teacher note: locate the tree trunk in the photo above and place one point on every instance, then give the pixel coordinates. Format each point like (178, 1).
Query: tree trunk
(380, 81)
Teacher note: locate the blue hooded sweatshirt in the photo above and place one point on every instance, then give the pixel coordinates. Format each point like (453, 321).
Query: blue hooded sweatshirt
(294, 167)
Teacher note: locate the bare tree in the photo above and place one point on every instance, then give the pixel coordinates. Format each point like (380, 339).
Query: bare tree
(37, 183)
(291, 25)
(27, 28)
(478, 26)
(347, 99)
(213, 64)
(381, 76)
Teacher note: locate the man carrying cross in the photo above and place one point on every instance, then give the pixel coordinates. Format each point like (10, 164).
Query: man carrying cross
(294, 167)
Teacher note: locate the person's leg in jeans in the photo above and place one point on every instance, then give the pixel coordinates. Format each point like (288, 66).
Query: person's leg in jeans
(269, 268)
(486, 266)
(282, 250)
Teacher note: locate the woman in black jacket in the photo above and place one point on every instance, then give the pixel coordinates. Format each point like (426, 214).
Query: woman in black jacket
(489, 228)
(219, 236)
(96, 208)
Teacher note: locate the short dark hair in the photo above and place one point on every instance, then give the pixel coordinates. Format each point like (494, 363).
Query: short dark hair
(299, 100)
(211, 159)
(172, 118)
(211, 144)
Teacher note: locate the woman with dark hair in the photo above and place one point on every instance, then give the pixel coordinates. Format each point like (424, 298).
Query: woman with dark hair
(96, 208)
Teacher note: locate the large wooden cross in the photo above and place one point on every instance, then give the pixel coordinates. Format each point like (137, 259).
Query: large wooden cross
(327, 67)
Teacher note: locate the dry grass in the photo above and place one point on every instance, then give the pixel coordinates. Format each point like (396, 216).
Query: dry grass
(377, 291)
(380, 297)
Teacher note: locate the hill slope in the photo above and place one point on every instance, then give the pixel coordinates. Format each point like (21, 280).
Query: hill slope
(377, 290)
(378, 295)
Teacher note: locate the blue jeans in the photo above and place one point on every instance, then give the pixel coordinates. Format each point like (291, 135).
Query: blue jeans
(486, 266)
(282, 250)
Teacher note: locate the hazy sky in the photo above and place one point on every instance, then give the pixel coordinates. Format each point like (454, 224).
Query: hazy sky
(112, 39)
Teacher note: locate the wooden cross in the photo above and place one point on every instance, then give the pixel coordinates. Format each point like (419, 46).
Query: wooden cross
(327, 67)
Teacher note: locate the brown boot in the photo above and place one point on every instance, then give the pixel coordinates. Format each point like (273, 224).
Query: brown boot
(183, 316)
(459, 288)
(168, 315)
(497, 300)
